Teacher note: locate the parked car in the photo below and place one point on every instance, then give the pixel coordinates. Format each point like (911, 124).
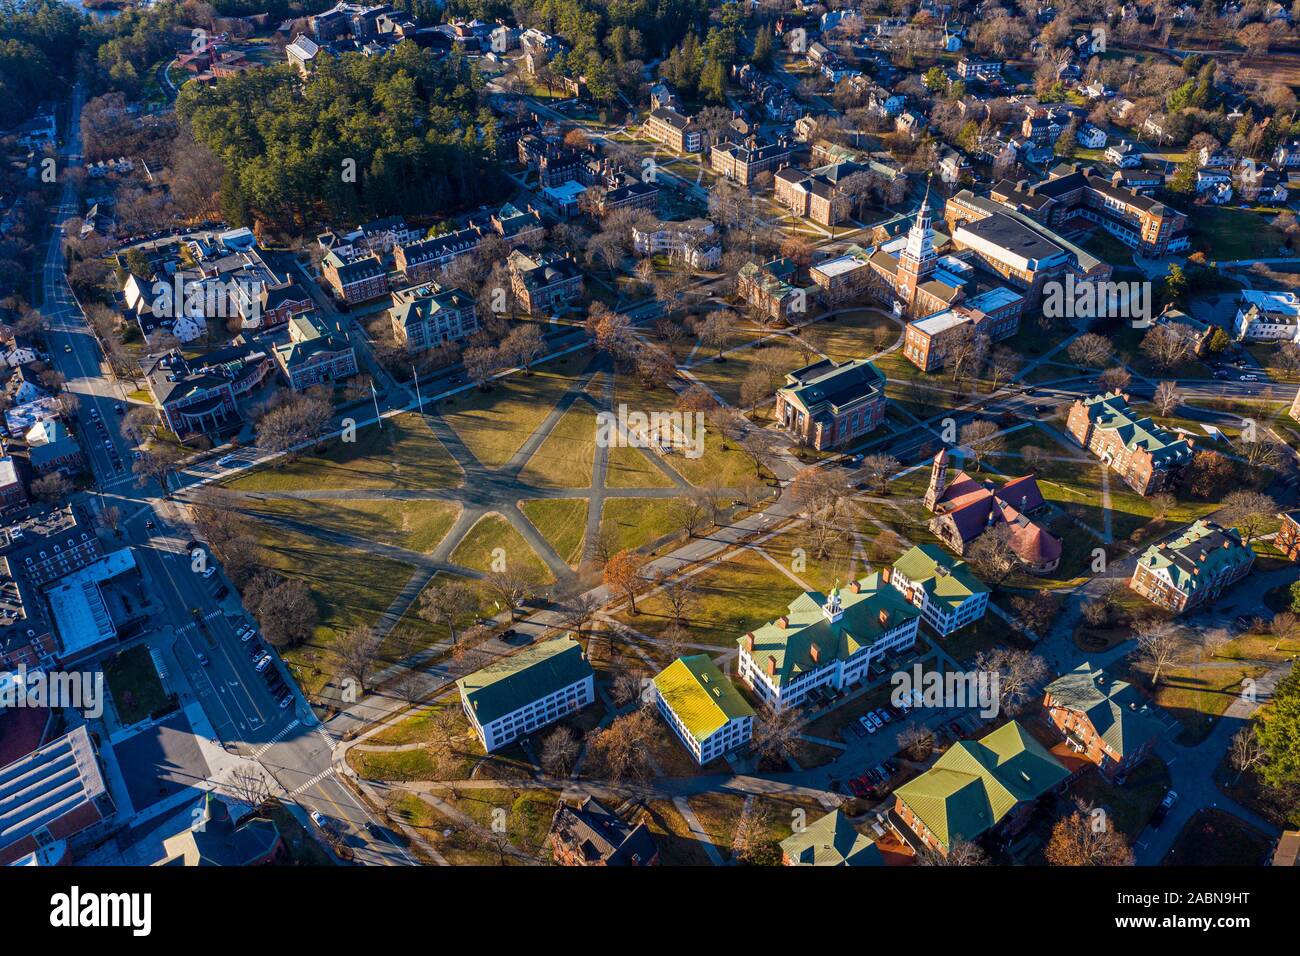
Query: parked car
(1162, 811)
(263, 664)
(876, 722)
(867, 725)
(286, 700)
(202, 658)
(882, 715)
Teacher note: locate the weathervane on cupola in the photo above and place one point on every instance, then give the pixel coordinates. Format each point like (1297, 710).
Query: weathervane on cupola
(832, 608)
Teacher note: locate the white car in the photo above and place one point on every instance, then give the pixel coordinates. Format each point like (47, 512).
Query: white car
(876, 722)
(263, 664)
(318, 818)
(867, 725)
(226, 461)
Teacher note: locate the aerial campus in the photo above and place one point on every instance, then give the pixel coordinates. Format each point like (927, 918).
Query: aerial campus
(690, 433)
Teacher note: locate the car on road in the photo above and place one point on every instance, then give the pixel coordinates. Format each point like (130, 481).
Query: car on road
(226, 461)
(263, 664)
(1166, 805)
(320, 819)
(286, 700)
(149, 525)
(202, 658)
(67, 348)
(882, 715)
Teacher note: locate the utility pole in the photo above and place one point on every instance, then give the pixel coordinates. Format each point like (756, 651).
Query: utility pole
(419, 400)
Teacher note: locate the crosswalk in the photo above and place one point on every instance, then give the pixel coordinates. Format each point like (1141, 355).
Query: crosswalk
(327, 772)
(275, 740)
(193, 625)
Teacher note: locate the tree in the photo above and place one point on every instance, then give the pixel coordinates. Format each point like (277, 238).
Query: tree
(1251, 512)
(283, 607)
(680, 593)
(110, 517)
(960, 853)
(1019, 675)
(991, 555)
(1160, 645)
(248, 784)
(1035, 611)
(982, 438)
(1279, 736)
(510, 586)
(1115, 379)
(690, 512)
(1169, 345)
(1087, 837)
(751, 843)
(916, 740)
(446, 602)
(1208, 472)
(1002, 365)
(774, 734)
(1166, 398)
(1246, 752)
(577, 609)
(560, 750)
(1091, 350)
(523, 346)
(627, 687)
(623, 574)
(622, 750)
(880, 468)
(358, 652)
(52, 488)
(157, 462)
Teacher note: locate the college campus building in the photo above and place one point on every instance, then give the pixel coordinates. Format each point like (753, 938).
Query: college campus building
(845, 277)
(693, 242)
(1147, 457)
(1287, 539)
(679, 133)
(826, 641)
(702, 707)
(548, 281)
(744, 161)
(428, 316)
(420, 261)
(1193, 568)
(1104, 721)
(832, 840)
(965, 508)
(977, 786)
(514, 696)
(315, 354)
(591, 834)
(830, 404)
(816, 195)
(946, 591)
(355, 277)
(771, 292)
(928, 343)
(1267, 316)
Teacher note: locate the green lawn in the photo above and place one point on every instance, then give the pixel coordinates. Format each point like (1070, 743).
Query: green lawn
(1229, 234)
(638, 521)
(565, 459)
(494, 538)
(133, 682)
(562, 522)
(1218, 838)
(1129, 806)
(403, 454)
(414, 525)
(494, 424)
(628, 468)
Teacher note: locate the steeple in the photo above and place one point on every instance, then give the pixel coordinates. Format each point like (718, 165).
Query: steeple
(920, 238)
(938, 479)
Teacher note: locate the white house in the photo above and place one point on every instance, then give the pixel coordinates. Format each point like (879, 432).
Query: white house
(702, 707)
(693, 241)
(1091, 137)
(1124, 154)
(515, 696)
(1267, 317)
(1287, 155)
(947, 593)
(826, 641)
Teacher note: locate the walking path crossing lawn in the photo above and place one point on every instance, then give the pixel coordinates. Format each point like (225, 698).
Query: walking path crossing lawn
(458, 846)
(403, 454)
(1130, 806)
(528, 815)
(1218, 838)
(418, 726)
(732, 597)
(1197, 695)
(413, 525)
(678, 845)
(723, 462)
(725, 378)
(565, 459)
(562, 522)
(794, 550)
(494, 424)
(133, 682)
(637, 521)
(629, 468)
(478, 549)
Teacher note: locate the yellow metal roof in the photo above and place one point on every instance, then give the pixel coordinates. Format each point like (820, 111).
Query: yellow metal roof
(700, 695)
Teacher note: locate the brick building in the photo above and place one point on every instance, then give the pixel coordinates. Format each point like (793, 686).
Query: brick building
(1147, 457)
(829, 404)
(743, 161)
(677, 132)
(1193, 568)
(356, 278)
(545, 282)
(995, 314)
(1103, 720)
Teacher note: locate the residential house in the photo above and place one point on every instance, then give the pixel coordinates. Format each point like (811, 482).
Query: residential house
(705, 711)
(831, 404)
(591, 834)
(826, 641)
(693, 242)
(517, 695)
(1103, 720)
(1148, 458)
(1193, 568)
(1091, 137)
(1267, 316)
(1124, 154)
(51, 447)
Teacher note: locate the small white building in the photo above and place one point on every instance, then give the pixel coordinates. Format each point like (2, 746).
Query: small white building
(703, 708)
(1091, 137)
(944, 588)
(518, 695)
(1267, 317)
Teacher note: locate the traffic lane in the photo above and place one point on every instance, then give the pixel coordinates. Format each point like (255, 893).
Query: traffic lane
(370, 839)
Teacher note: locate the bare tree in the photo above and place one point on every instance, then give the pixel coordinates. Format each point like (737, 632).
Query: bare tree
(1091, 350)
(775, 732)
(751, 843)
(358, 652)
(511, 587)
(249, 784)
(880, 468)
(960, 853)
(578, 609)
(1251, 512)
(1246, 751)
(1160, 645)
(1166, 398)
(621, 751)
(680, 593)
(982, 437)
(446, 603)
(916, 740)
(1020, 675)
(560, 749)
(991, 555)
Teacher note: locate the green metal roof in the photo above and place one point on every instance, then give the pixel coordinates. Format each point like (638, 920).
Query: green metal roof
(510, 683)
(808, 628)
(947, 580)
(701, 695)
(974, 784)
(1112, 411)
(1116, 710)
(832, 841)
(1198, 554)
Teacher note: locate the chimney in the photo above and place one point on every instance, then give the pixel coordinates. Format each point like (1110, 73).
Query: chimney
(886, 574)
(783, 622)
(771, 665)
(1201, 559)
(884, 617)
(856, 587)
(815, 653)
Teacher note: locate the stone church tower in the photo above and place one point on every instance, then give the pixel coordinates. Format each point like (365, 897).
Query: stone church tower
(938, 479)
